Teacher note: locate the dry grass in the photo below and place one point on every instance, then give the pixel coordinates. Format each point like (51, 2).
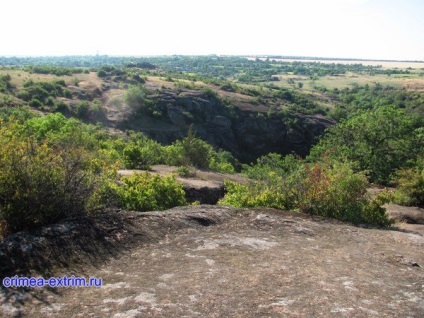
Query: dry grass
(384, 64)
(413, 82)
(20, 76)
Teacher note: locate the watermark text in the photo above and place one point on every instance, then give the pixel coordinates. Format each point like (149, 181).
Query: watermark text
(64, 281)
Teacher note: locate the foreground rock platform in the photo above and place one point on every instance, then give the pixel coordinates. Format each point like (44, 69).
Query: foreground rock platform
(214, 261)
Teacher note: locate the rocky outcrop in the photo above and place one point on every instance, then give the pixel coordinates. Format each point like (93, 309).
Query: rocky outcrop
(403, 214)
(204, 195)
(257, 136)
(220, 261)
(246, 134)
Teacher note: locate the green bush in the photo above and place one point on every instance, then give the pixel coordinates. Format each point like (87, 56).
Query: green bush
(44, 92)
(41, 183)
(61, 107)
(137, 157)
(173, 155)
(378, 141)
(272, 165)
(5, 83)
(135, 97)
(223, 161)
(186, 172)
(255, 195)
(334, 190)
(392, 196)
(410, 184)
(326, 189)
(83, 109)
(196, 152)
(35, 103)
(146, 192)
(190, 151)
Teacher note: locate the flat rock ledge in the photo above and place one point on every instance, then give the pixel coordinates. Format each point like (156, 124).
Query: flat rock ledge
(215, 261)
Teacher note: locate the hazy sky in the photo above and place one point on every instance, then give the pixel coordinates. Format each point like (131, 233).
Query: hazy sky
(377, 29)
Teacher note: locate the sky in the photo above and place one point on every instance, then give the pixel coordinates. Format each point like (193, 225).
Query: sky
(363, 29)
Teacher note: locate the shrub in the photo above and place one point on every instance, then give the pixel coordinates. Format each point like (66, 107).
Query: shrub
(137, 157)
(5, 85)
(272, 164)
(255, 195)
(173, 155)
(392, 196)
(186, 172)
(101, 73)
(326, 189)
(223, 161)
(44, 92)
(97, 110)
(336, 191)
(196, 152)
(83, 109)
(139, 152)
(190, 151)
(209, 93)
(146, 192)
(135, 97)
(35, 103)
(116, 101)
(40, 183)
(61, 107)
(410, 184)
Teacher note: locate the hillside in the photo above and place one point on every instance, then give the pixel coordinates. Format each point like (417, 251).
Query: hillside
(247, 107)
(246, 126)
(315, 171)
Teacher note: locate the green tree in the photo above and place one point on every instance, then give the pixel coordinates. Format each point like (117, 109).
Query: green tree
(196, 152)
(379, 141)
(135, 97)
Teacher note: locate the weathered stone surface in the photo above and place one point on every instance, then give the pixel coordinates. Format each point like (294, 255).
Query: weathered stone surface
(222, 262)
(412, 215)
(221, 121)
(204, 195)
(247, 136)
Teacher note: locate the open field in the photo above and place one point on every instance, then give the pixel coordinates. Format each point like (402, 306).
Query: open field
(20, 76)
(409, 81)
(384, 64)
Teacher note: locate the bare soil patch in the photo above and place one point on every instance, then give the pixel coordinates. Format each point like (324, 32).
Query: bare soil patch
(203, 178)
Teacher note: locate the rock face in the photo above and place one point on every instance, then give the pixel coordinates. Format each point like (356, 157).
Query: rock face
(257, 136)
(218, 262)
(204, 195)
(246, 134)
(411, 215)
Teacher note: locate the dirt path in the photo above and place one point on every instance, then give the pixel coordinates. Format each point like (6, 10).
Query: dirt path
(224, 262)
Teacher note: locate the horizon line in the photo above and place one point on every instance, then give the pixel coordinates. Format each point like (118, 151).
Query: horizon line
(270, 56)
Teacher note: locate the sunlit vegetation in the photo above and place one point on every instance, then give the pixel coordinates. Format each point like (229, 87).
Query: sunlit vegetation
(53, 165)
(49, 171)
(145, 192)
(326, 188)
(52, 168)
(379, 141)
